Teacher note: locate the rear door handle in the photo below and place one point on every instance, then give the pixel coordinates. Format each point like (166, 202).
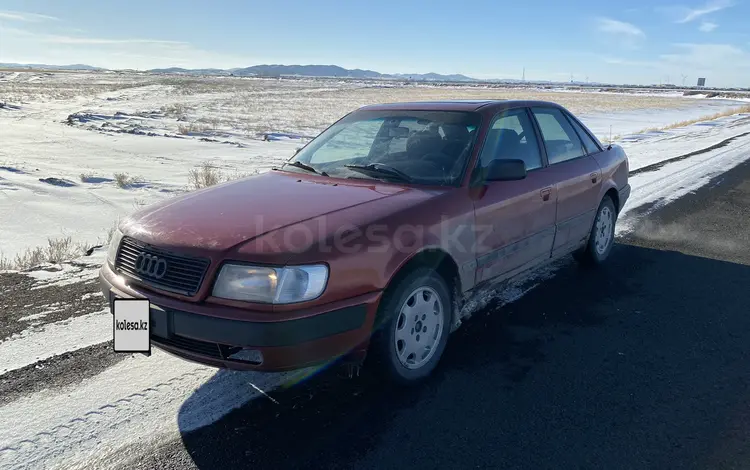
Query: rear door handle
(594, 177)
(545, 193)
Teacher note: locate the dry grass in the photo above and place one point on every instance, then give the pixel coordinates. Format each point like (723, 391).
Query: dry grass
(192, 128)
(207, 174)
(711, 117)
(124, 180)
(204, 176)
(177, 110)
(211, 123)
(56, 251)
(254, 106)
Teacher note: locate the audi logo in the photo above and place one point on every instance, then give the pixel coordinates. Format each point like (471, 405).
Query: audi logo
(150, 265)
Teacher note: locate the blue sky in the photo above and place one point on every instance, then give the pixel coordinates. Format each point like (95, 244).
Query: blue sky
(637, 41)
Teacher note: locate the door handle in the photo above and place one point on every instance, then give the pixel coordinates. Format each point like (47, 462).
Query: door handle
(594, 177)
(545, 193)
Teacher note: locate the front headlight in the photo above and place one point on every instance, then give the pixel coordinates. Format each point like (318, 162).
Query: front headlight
(114, 244)
(271, 285)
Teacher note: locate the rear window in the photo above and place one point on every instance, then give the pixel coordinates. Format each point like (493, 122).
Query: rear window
(588, 142)
(559, 137)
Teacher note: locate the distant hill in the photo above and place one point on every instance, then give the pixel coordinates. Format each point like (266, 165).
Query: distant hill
(49, 67)
(436, 77)
(273, 70)
(191, 71)
(277, 70)
(305, 71)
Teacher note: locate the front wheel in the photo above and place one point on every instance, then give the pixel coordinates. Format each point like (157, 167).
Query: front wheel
(413, 327)
(602, 235)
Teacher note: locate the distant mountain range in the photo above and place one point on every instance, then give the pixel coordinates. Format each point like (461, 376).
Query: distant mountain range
(274, 70)
(313, 71)
(49, 67)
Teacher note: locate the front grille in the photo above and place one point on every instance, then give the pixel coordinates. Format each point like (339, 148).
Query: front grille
(182, 274)
(204, 348)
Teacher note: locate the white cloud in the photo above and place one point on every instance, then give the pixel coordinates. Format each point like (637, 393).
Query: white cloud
(608, 25)
(137, 53)
(722, 64)
(717, 58)
(712, 6)
(63, 39)
(57, 39)
(620, 34)
(629, 62)
(707, 26)
(25, 16)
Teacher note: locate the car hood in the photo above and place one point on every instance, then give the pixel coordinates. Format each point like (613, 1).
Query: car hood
(221, 217)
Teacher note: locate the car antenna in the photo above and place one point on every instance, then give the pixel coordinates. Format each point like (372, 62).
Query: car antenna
(610, 137)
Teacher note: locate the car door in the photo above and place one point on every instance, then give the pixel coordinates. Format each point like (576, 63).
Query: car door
(515, 220)
(578, 178)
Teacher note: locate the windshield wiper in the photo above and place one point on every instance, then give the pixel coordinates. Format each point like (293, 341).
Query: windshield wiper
(380, 169)
(306, 167)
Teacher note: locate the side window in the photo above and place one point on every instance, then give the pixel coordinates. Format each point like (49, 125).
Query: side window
(561, 140)
(588, 142)
(511, 136)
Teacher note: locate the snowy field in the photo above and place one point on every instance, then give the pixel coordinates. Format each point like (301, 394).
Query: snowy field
(80, 150)
(131, 124)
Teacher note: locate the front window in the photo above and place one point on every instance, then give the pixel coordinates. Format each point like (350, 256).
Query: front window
(512, 136)
(419, 147)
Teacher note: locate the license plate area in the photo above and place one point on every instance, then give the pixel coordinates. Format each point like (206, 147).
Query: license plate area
(161, 322)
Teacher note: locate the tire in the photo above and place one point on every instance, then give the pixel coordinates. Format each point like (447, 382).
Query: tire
(397, 351)
(602, 235)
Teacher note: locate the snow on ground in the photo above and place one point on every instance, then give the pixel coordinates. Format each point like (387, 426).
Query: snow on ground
(158, 397)
(656, 146)
(84, 201)
(141, 398)
(674, 180)
(72, 132)
(41, 342)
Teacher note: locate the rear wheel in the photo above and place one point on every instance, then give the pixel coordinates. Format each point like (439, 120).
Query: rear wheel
(602, 235)
(413, 327)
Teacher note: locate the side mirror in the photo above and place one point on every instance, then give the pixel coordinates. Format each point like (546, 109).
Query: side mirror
(505, 170)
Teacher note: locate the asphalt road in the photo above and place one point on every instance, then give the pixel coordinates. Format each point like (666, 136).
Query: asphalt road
(643, 363)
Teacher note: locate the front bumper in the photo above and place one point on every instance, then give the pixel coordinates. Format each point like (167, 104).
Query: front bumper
(209, 335)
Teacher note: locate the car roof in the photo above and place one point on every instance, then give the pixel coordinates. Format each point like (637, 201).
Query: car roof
(457, 105)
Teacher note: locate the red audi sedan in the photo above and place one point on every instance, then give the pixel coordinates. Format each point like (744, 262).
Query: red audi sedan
(364, 244)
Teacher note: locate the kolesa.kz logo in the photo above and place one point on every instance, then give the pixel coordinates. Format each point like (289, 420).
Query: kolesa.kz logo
(131, 327)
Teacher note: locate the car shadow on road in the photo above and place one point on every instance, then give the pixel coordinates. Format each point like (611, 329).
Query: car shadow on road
(644, 353)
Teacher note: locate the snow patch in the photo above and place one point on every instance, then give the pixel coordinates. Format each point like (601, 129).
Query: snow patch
(52, 339)
(674, 180)
(34, 318)
(154, 398)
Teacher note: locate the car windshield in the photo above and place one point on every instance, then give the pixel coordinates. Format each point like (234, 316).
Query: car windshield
(420, 147)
